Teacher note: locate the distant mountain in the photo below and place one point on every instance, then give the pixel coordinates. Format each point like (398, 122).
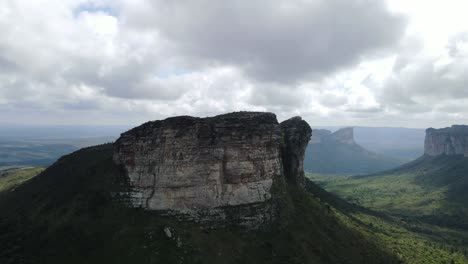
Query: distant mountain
(338, 153)
(396, 142)
(432, 188)
(449, 141)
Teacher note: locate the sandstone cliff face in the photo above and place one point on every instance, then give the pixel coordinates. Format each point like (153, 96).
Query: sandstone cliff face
(449, 141)
(189, 164)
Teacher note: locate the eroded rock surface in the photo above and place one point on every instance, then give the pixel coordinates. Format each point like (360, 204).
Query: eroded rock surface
(296, 136)
(449, 141)
(185, 163)
(188, 164)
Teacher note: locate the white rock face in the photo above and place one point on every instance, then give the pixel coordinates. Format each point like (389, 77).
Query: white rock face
(217, 170)
(186, 164)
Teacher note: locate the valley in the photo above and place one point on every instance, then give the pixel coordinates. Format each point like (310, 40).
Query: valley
(339, 153)
(425, 199)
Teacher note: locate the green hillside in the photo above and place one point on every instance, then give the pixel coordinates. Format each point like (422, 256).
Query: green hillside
(426, 197)
(68, 214)
(334, 157)
(11, 177)
(432, 189)
(411, 239)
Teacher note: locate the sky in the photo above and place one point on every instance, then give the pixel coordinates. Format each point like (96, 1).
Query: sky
(392, 63)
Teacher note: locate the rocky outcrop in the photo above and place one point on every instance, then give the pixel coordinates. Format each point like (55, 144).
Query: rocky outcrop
(319, 135)
(343, 135)
(449, 141)
(296, 136)
(188, 164)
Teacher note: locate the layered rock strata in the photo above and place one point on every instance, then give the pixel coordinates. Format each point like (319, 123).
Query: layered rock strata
(449, 141)
(188, 164)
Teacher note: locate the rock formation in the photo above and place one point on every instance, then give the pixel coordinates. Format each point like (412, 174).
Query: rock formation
(296, 136)
(343, 135)
(319, 135)
(449, 141)
(188, 164)
(338, 153)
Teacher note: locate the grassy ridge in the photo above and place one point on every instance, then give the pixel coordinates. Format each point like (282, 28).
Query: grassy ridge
(11, 177)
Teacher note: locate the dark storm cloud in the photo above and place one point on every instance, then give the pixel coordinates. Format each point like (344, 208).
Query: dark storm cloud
(275, 41)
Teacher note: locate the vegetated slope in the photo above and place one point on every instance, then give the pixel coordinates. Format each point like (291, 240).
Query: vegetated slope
(70, 214)
(334, 157)
(13, 176)
(433, 189)
(412, 240)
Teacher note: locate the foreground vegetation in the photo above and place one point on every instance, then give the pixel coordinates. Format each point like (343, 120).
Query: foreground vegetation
(421, 213)
(70, 214)
(416, 242)
(11, 177)
(431, 189)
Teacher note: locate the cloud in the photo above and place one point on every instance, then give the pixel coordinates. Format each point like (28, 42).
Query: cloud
(427, 81)
(335, 61)
(282, 41)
